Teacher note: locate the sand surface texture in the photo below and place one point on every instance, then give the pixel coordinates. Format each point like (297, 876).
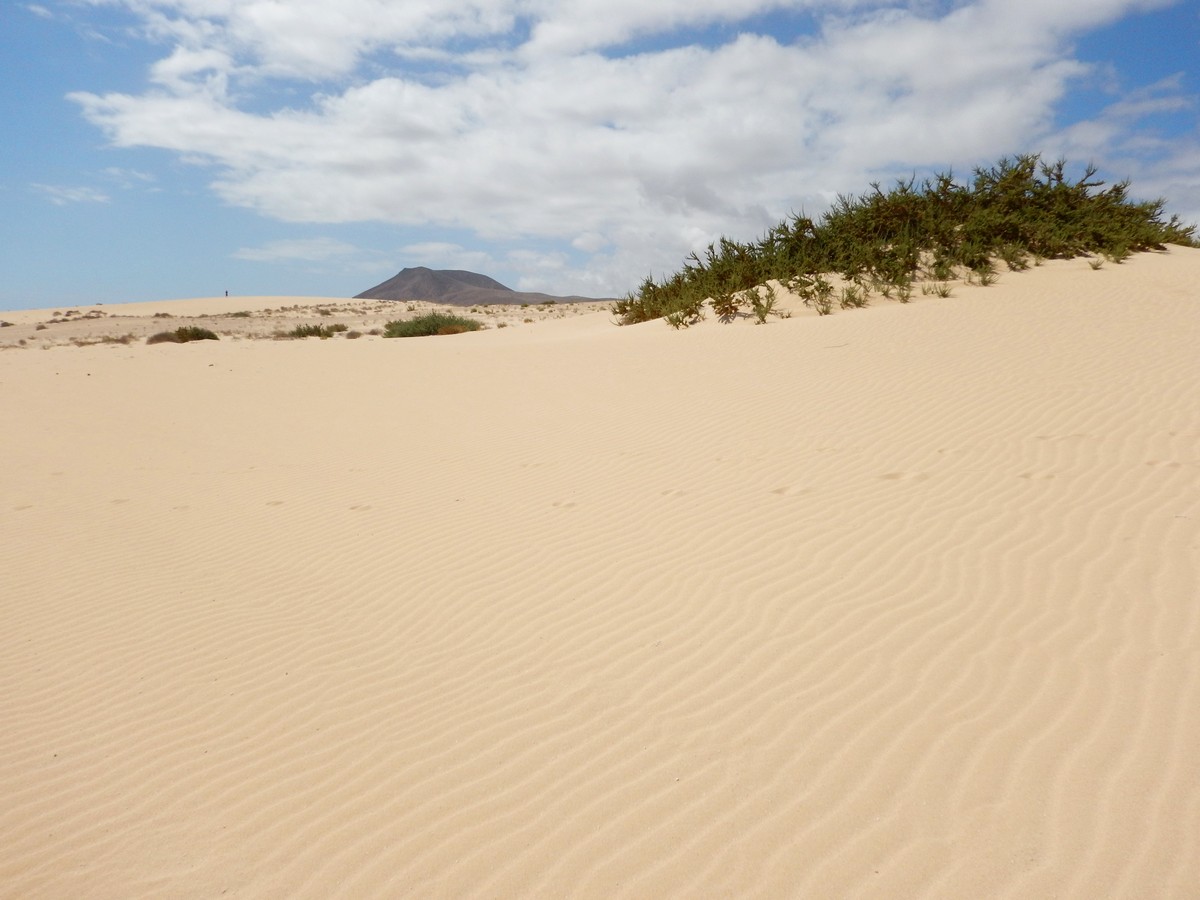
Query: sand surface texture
(898, 602)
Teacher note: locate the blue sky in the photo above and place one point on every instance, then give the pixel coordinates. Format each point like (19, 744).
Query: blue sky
(159, 149)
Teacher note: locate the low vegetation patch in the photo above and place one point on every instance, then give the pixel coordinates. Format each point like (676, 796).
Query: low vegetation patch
(1020, 211)
(182, 335)
(321, 331)
(430, 324)
(105, 339)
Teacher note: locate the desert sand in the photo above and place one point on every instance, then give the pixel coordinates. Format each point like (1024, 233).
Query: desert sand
(897, 602)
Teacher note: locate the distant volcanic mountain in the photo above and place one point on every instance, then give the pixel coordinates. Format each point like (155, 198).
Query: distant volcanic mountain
(455, 287)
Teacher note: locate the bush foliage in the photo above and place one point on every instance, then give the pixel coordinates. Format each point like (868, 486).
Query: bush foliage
(321, 331)
(182, 335)
(1019, 210)
(430, 324)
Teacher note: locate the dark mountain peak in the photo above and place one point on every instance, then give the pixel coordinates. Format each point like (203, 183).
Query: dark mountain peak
(440, 285)
(443, 276)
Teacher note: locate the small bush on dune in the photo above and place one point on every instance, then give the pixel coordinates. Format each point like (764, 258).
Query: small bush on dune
(854, 296)
(727, 306)
(182, 335)
(106, 339)
(815, 291)
(763, 305)
(1019, 211)
(321, 331)
(429, 325)
(687, 315)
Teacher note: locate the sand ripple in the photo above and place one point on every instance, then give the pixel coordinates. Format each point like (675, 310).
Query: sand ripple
(896, 603)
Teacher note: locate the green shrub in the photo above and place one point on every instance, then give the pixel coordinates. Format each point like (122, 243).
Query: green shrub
(763, 304)
(321, 331)
(106, 339)
(815, 290)
(726, 306)
(1015, 257)
(182, 335)
(1019, 210)
(854, 296)
(430, 324)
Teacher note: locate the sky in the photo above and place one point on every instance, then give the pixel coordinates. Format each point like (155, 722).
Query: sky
(160, 149)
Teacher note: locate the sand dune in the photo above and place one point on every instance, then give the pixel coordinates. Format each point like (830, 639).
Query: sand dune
(899, 602)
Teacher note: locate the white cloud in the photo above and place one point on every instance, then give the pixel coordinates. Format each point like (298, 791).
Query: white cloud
(1158, 166)
(509, 119)
(307, 249)
(61, 195)
(446, 255)
(572, 26)
(590, 242)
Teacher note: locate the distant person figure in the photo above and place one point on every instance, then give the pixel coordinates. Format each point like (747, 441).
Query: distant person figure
(227, 293)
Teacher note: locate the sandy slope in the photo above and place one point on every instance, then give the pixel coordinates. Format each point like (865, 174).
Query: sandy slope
(898, 602)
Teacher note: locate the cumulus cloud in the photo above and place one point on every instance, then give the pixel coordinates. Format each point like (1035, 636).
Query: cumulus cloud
(1121, 140)
(448, 255)
(605, 125)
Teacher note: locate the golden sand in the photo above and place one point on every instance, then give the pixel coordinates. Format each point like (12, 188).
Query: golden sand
(898, 602)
